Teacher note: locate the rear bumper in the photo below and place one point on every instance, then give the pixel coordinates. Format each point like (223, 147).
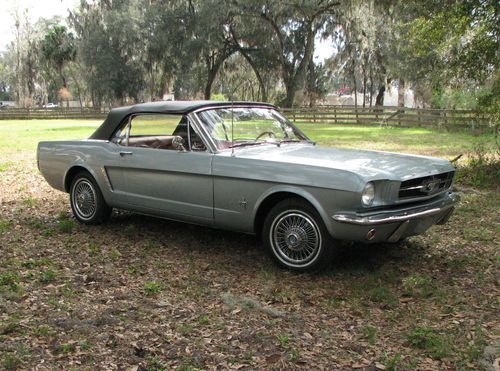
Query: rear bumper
(392, 225)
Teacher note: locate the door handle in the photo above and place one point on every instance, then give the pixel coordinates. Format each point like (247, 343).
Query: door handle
(123, 153)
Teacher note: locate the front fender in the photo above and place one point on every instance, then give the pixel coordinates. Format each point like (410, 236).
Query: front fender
(299, 191)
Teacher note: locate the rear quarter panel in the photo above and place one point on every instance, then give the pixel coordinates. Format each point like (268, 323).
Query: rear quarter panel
(56, 158)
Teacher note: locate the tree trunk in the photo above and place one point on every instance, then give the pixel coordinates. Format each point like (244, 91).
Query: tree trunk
(213, 63)
(262, 86)
(379, 101)
(364, 87)
(210, 80)
(401, 93)
(291, 90)
(355, 86)
(164, 84)
(297, 76)
(371, 89)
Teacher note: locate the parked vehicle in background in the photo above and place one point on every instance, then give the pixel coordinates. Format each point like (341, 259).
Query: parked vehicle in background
(50, 105)
(244, 167)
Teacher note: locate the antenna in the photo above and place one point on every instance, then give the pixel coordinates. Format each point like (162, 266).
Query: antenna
(232, 127)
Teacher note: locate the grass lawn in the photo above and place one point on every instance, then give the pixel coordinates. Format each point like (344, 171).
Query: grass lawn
(153, 294)
(409, 140)
(18, 136)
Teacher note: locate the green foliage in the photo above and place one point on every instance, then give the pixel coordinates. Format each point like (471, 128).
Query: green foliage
(283, 340)
(109, 39)
(66, 225)
(185, 329)
(489, 101)
(9, 280)
(11, 361)
(58, 48)
(370, 334)
(428, 340)
(480, 169)
(317, 82)
(65, 348)
(394, 363)
(128, 51)
(152, 288)
(288, 31)
(460, 38)
(47, 276)
(220, 97)
(383, 295)
(30, 201)
(418, 286)
(4, 225)
(204, 320)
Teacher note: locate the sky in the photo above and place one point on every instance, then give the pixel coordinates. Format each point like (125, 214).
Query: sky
(36, 9)
(48, 8)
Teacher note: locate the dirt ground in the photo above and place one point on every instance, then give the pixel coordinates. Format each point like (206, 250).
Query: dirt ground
(146, 294)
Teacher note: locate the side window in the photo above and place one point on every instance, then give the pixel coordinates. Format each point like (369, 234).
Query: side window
(158, 131)
(154, 125)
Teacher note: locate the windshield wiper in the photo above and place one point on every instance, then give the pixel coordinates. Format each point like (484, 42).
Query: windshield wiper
(277, 143)
(245, 144)
(289, 141)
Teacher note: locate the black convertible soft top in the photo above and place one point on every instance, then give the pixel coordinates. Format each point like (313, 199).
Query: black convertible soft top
(117, 115)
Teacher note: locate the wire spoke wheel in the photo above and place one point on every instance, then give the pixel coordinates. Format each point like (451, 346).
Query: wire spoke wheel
(84, 199)
(295, 238)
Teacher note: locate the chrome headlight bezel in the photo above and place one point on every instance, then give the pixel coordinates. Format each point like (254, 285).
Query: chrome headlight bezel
(368, 194)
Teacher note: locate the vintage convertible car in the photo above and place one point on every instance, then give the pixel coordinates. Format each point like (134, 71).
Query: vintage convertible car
(244, 167)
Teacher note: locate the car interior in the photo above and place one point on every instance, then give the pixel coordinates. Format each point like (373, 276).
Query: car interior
(178, 140)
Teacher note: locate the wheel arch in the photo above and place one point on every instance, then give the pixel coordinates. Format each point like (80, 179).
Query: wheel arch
(273, 197)
(72, 172)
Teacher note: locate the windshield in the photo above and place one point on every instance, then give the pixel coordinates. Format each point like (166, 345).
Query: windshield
(250, 126)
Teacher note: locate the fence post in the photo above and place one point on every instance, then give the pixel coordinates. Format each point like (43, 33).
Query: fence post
(335, 115)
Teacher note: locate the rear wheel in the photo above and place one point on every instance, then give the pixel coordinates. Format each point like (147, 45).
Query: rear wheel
(296, 238)
(86, 199)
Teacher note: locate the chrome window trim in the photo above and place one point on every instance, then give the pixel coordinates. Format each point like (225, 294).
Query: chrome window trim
(202, 132)
(190, 122)
(210, 139)
(127, 133)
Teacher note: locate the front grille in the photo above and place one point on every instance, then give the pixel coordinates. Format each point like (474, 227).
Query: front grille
(426, 186)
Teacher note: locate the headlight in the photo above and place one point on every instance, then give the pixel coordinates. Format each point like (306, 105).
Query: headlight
(368, 194)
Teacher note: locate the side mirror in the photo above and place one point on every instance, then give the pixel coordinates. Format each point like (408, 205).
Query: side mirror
(178, 143)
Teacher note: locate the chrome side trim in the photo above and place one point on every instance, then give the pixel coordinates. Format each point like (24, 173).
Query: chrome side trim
(451, 200)
(95, 140)
(106, 178)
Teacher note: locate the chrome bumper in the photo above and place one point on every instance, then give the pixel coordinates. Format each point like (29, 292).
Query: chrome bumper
(395, 216)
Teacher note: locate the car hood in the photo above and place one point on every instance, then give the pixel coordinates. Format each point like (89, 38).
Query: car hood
(370, 165)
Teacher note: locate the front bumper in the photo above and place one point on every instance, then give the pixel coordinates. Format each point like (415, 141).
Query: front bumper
(393, 225)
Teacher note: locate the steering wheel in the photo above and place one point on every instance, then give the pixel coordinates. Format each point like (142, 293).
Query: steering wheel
(270, 133)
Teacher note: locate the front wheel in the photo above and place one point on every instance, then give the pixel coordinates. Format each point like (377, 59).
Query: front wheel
(296, 238)
(86, 199)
